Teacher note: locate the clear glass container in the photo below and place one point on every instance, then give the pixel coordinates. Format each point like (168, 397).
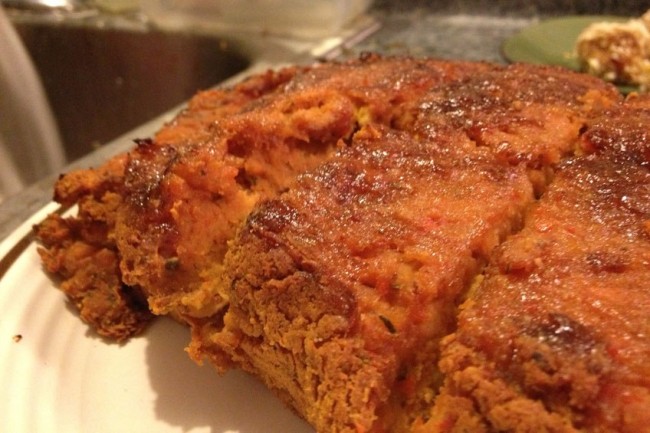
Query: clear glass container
(296, 18)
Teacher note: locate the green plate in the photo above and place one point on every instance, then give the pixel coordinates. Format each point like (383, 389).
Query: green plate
(552, 42)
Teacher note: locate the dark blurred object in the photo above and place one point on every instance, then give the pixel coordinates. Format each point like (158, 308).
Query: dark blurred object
(520, 7)
(104, 82)
(30, 148)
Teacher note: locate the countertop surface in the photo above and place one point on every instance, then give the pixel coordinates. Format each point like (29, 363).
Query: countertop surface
(469, 30)
(457, 35)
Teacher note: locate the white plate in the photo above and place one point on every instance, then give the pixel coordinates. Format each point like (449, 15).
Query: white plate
(56, 376)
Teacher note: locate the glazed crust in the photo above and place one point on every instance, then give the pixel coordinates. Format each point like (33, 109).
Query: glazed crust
(555, 339)
(340, 289)
(319, 227)
(187, 197)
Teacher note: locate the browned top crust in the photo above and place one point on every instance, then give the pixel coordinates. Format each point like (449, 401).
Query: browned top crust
(525, 115)
(368, 196)
(353, 274)
(622, 133)
(339, 290)
(178, 198)
(556, 338)
(186, 198)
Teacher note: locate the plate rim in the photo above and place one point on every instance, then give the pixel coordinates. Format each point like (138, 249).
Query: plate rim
(581, 21)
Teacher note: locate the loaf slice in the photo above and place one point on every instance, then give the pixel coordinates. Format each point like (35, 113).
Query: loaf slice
(556, 337)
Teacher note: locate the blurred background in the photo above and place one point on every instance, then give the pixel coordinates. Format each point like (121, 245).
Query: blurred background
(76, 75)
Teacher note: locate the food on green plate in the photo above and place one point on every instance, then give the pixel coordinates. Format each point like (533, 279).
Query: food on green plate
(618, 52)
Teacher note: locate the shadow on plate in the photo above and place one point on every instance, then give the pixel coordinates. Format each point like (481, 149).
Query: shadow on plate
(194, 397)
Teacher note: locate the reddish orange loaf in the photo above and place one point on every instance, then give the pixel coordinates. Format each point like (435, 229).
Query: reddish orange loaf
(390, 244)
